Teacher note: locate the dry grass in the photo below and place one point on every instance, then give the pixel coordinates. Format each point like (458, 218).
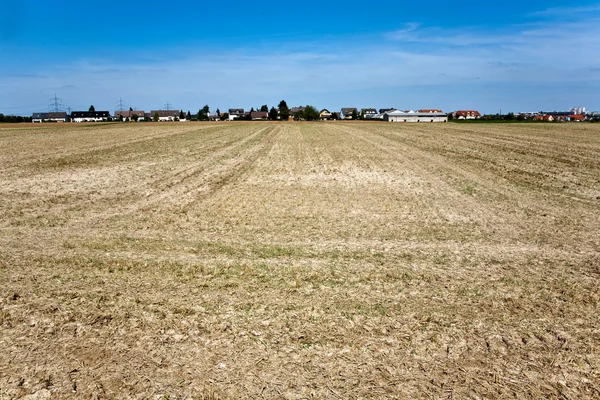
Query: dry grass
(326, 261)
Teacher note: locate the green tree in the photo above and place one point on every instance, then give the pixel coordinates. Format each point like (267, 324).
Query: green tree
(273, 114)
(156, 116)
(311, 113)
(284, 111)
(354, 114)
(264, 108)
(181, 115)
(135, 117)
(218, 113)
(334, 116)
(224, 116)
(92, 108)
(188, 116)
(203, 113)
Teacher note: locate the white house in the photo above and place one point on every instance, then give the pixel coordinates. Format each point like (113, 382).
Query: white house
(368, 113)
(57, 116)
(236, 113)
(128, 114)
(165, 115)
(467, 114)
(89, 116)
(39, 117)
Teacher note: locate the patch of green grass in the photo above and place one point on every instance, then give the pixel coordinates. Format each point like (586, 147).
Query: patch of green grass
(468, 187)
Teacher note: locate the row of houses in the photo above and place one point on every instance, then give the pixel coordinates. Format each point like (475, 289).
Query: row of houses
(556, 116)
(75, 116)
(388, 114)
(239, 113)
(385, 114)
(141, 115)
(99, 116)
(396, 115)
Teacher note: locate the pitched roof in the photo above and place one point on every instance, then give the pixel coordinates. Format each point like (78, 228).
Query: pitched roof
(259, 114)
(57, 114)
(165, 113)
(433, 110)
(464, 113)
(127, 113)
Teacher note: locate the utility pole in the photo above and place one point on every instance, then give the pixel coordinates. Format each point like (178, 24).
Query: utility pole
(120, 105)
(55, 104)
(168, 106)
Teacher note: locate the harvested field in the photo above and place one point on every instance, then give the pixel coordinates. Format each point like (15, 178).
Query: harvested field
(300, 261)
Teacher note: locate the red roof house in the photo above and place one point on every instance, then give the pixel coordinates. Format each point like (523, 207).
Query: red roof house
(467, 114)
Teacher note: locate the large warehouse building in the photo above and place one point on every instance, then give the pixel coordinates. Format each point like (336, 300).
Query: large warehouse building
(415, 116)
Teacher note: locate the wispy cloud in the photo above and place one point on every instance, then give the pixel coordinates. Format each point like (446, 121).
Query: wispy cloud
(404, 33)
(566, 12)
(443, 36)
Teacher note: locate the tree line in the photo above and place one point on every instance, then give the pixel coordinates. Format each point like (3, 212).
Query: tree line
(282, 112)
(13, 118)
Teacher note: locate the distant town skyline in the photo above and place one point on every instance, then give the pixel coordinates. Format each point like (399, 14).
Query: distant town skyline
(519, 58)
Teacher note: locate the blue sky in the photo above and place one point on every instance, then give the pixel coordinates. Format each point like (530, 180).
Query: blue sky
(514, 56)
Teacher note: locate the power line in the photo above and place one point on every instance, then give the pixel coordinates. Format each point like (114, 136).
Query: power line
(26, 106)
(168, 106)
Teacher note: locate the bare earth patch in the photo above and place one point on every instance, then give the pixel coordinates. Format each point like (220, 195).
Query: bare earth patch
(301, 260)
